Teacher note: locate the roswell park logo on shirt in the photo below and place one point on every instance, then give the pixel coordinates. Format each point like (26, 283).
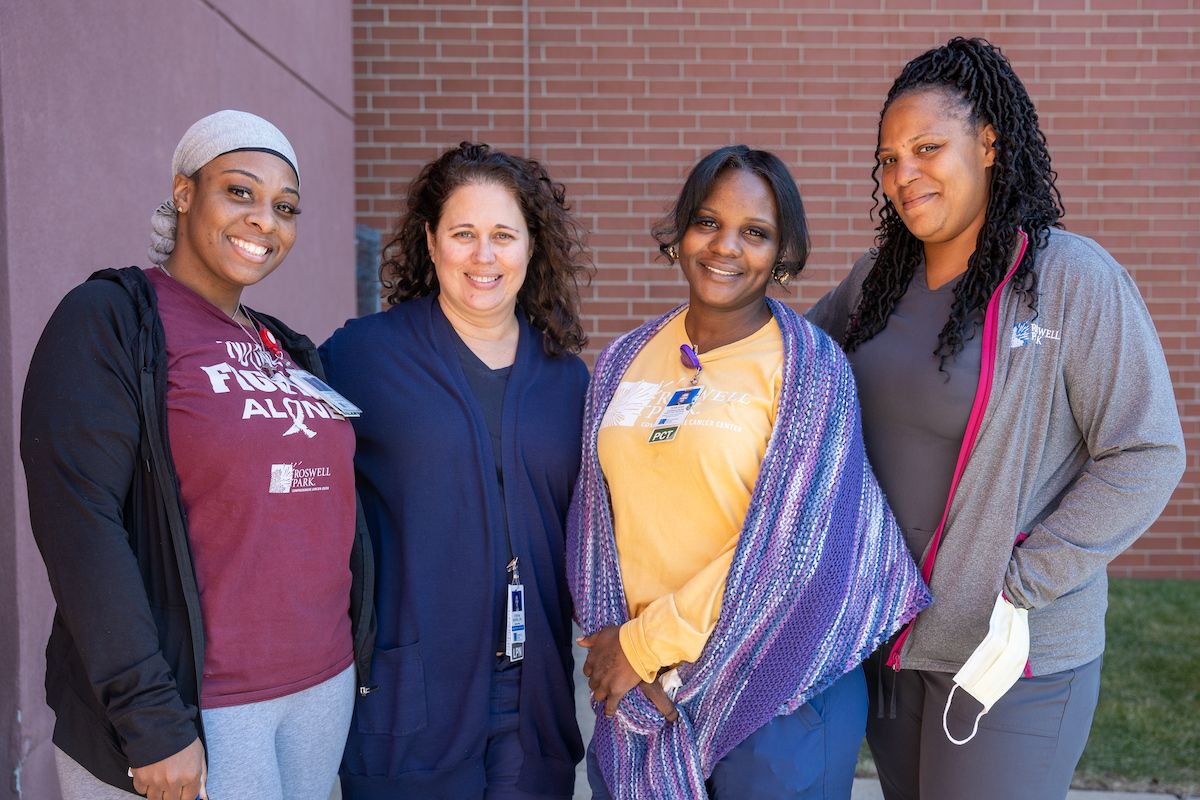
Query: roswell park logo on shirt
(288, 478)
(643, 404)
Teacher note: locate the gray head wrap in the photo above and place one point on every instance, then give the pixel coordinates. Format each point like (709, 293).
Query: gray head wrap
(215, 135)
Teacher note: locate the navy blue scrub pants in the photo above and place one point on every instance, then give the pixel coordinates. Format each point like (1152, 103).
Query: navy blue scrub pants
(503, 756)
(807, 755)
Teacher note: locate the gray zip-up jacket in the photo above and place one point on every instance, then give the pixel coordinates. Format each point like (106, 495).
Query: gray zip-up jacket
(1073, 445)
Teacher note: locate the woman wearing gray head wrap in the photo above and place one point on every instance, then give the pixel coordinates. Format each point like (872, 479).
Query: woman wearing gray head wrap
(216, 134)
(191, 491)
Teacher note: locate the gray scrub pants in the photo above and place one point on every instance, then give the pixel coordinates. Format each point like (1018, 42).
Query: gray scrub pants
(1027, 745)
(289, 747)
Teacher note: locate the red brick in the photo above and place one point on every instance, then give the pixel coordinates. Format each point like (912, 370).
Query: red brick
(624, 18)
(1127, 20)
(364, 17)
(671, 19)
(406, 14)
(1180, 21)
(572, 19)
(622, 100)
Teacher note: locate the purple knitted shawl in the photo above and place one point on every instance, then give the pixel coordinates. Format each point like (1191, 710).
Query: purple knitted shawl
(821, 575)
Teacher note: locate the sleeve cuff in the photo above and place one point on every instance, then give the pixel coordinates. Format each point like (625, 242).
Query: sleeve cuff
(633, 644)
(153, 733)
(1012, 588)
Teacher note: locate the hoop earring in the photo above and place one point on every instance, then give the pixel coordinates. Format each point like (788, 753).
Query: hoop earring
(672, 253)
(781, 275)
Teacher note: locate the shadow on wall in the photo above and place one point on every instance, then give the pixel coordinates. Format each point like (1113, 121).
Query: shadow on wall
(366, 269)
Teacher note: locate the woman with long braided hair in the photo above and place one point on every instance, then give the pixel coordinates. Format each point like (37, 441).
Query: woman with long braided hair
(1018, 412)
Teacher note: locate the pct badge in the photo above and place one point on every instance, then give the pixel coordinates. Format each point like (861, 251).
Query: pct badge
(667, 425)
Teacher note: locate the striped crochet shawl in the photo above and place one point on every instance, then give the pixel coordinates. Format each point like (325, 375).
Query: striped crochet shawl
(820, 576)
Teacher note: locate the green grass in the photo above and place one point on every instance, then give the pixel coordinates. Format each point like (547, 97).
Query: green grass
(1146, 734)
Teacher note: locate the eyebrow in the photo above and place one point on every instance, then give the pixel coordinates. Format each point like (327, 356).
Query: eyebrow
(258, 180)
(933, 132)
(760, 220)
(472, 225)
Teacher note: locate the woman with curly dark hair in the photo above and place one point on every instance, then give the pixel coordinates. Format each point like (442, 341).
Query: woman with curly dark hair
(1018, 411)
(468, 448)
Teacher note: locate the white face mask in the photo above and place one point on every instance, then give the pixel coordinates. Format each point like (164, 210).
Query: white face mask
(995, 665)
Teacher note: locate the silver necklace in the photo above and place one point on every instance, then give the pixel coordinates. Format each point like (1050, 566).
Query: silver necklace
(268, 362)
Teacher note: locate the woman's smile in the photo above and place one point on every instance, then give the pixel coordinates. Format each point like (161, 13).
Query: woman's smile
(255, 252)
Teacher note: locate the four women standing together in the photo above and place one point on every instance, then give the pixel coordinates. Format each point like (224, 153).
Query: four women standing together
(731, 557)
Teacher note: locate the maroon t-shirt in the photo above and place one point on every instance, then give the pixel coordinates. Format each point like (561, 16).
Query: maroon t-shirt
(267, 478)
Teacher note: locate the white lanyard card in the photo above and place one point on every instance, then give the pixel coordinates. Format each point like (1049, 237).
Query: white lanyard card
(315, 387)
(514, 637)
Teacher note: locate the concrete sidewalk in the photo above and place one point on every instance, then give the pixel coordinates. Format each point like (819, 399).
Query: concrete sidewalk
(868, 789)
(864, 788)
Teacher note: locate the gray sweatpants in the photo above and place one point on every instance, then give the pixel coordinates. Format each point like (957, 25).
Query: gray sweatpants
(289, 747)
(76, 783)
(1027, 745)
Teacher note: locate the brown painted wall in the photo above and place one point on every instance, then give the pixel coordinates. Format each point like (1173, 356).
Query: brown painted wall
(619, 98)
(94, 98)
(10, 650)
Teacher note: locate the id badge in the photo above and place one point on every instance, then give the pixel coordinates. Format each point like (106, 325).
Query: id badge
(514, 637)
(315, 387)
(668, 421)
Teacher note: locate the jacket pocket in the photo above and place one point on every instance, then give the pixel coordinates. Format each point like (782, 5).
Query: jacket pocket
(397, 705)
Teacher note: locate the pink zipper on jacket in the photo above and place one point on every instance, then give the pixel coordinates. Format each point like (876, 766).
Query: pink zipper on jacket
(983, 393)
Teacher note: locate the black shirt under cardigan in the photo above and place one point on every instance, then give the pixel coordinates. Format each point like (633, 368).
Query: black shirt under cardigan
(427, 479)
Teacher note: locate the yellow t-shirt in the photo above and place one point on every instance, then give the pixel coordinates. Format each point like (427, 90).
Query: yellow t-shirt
(679, 501)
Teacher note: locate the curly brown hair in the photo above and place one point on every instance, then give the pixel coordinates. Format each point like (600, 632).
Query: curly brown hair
(550, 294)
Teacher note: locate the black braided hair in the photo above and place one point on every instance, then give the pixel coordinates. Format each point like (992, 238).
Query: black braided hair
(976, 75)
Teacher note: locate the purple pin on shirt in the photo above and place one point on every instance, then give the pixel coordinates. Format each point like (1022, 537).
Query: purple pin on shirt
(691, 360)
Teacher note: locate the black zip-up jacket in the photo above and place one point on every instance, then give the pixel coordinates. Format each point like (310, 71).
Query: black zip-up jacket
(126, 650)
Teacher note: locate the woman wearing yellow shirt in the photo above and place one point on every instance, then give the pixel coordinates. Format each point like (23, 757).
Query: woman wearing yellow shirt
(729, 547)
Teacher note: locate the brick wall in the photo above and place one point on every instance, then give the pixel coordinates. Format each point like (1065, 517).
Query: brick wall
(619, 99)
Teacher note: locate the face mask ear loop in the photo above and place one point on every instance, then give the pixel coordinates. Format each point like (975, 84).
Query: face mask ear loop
(946, 723)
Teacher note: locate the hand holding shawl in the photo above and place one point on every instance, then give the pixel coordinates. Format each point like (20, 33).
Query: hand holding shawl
(820, 578)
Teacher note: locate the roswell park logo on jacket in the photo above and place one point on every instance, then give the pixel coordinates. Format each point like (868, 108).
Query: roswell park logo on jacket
(1031, 333)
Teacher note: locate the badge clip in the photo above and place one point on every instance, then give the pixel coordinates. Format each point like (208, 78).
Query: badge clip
(670, 419)
(514, 631)
(315, 387)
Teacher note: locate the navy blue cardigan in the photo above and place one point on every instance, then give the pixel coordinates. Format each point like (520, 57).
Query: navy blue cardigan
(426, 477)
